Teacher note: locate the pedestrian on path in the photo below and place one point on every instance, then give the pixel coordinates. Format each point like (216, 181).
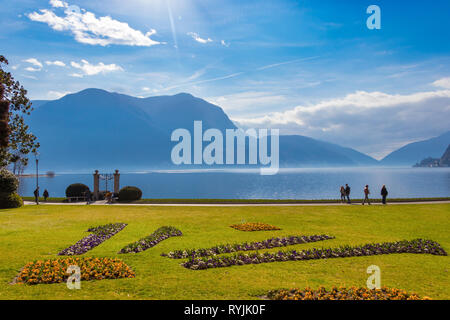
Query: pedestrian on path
(384, 194)
(36, 195)
(342, 194)
(347, 193)
(46, 195)
(366, 194)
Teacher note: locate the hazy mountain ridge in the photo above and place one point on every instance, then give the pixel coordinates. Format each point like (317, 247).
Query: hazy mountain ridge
(98, 129)
(415, 152)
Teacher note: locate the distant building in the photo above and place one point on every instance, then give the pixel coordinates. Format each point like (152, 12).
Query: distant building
(430, 162)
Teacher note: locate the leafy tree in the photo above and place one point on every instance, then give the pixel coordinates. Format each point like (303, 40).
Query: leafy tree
(19, 141)
(4, 117)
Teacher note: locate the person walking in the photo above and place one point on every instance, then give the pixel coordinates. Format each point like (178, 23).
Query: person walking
(109, 197)
(347, 193)
(87, 195)
(342, 194)
(36, 195)
(366, 194)
(46, 195)
(384, 194)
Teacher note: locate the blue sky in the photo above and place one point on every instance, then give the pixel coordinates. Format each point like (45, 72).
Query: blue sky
(306, 67)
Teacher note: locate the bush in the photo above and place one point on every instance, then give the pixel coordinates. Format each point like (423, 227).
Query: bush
(10, 200)
(8, 181)
(130, 194)
(76, 190)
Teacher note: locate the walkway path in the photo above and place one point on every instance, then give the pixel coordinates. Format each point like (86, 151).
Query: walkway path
(101, 203)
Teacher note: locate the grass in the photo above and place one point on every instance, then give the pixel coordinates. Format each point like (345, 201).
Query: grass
(32, 232)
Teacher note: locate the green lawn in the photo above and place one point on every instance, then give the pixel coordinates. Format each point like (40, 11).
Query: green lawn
(32, 232)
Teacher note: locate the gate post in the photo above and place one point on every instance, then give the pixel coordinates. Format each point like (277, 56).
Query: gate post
(96, 184)
(116, 182)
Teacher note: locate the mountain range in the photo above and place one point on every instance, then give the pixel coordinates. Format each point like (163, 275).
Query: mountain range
(96, 129)
(417, 151)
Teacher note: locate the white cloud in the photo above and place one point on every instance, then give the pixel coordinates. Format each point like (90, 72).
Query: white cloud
(197, 38)
(34, 62)
(93, 69)
(371, 122)
(88, 29)
(442, 83)
(37, 65)
(31, 69)
(224, 43)
(58, 4)
(55, 63)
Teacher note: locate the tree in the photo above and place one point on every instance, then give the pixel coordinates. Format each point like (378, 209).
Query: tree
(4, 117)
(16, 141)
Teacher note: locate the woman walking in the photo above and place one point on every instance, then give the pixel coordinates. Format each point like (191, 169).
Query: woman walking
(384, 194)
(342, 194)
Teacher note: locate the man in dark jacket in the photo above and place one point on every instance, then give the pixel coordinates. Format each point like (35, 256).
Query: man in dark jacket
(347, 193)
(384, 194)
(45, 194)
(36, 195)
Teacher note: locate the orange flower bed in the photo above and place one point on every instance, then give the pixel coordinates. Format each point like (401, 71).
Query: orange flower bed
(254, 226)
(55, 270)
(342, 293)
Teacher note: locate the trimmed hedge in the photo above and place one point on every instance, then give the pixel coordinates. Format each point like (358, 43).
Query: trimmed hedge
(130, 193)
(10, 200)
(8, 181)
(8, 187)
(76, 190)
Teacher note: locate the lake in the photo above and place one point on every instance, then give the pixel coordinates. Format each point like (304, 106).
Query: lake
(317, 183)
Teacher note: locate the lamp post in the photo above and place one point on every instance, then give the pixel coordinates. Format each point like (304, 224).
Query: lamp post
(37, 177)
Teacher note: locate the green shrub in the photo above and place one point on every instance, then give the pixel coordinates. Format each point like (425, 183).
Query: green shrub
(10, 200)
(130, 193)
(8, 181)
(76, 190)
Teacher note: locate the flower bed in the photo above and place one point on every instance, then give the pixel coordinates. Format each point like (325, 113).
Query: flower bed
(98, 235)
(54, 271)
(228, 248)
(342, 293)
(254, 226)
(404, 246)
(151, 240)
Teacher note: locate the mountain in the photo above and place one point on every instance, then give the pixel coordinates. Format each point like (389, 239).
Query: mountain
(445, 159)
(417, 151)
(296, 150)
(96, 129)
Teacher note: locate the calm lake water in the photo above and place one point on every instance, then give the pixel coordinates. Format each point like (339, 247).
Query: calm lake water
(323, 183)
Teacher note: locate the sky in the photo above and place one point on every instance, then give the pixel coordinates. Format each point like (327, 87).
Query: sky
(305, 67)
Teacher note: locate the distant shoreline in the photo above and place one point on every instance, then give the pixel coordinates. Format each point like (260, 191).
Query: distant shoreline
(34, 175)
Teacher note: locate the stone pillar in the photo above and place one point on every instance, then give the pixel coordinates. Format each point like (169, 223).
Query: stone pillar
(116, 182)
(96, 184)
